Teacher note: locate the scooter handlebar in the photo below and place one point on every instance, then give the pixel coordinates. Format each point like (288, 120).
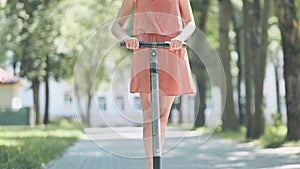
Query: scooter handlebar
(153, 44)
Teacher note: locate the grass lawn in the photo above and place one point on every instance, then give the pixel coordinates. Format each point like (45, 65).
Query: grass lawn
(238, 136)
(32, 147)
(273, 137)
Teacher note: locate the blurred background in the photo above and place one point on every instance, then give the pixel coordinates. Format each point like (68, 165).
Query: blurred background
(258, 42)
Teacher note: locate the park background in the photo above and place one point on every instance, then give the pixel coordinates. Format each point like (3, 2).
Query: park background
(41, 40)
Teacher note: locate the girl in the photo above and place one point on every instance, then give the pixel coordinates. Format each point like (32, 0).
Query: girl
(158, 21)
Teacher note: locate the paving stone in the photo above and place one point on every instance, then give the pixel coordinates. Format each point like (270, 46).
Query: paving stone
(122, 148)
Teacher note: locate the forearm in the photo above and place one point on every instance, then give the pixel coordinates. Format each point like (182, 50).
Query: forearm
(187, 31)
(118, 32)
(123, 15)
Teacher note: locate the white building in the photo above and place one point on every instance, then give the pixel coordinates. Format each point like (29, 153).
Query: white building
(9, 90)
(115, 106)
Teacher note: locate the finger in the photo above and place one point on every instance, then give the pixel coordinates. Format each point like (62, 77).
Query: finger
(172, 45)
(178, 44)
(136, 44)
(175, 44)
(127, 44)
(131, 43)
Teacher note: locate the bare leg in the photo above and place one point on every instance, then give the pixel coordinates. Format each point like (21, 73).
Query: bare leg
(164, 115)
(165, 106)
(147, 128)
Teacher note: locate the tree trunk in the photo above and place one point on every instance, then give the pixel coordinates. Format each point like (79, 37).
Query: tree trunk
(200, 116)
(256, 76)
(248, 68)
(261, 56)
(278, 117)
(88, 110)
(47, 97)
(237, 26)
(78, 105)
(202, 20)
(230, 121)
(35, 89)
(290, 32)
(255, 48)
(200, 72)
(14, 65)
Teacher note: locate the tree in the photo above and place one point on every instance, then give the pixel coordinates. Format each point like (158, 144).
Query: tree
(230, 121)
(3, 28)
(26, 50)
(32, 44)
(237, 20)
(55, 60)
(260, 64)
(290, 33)
(86, 79)
(200, 12)
(47, 32)
(255, 49)
(91, 44)
(248, 66)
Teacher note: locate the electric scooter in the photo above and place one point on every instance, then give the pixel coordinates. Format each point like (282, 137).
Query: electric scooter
(154, 90)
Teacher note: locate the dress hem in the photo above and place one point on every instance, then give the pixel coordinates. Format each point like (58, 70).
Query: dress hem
(169, 94)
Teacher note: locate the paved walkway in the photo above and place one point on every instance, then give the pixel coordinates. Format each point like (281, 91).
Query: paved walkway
(121, 148)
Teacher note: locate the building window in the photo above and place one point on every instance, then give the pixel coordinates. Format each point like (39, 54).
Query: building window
(120, 103)
(68, 99)
(137, 103)
(102, 104)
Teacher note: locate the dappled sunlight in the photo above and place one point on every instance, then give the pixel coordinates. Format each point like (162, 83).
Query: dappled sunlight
(9, 143)
(39, 133)
(87, 154)
(235, 165)
(280, 151)
(125, 144)
(290, 166)
(238, 155)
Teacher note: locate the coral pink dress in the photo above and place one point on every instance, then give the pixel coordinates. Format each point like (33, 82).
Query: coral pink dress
(160, 21)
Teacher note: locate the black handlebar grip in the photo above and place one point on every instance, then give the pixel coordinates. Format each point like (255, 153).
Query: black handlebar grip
(153, 44)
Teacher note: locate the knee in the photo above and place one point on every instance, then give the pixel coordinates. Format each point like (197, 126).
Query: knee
(146, 103)
(164, 116)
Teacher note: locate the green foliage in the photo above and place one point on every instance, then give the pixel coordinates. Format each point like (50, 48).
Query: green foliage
(277, 119)
(238, 136)
(91, 35)
(46, 37)
(33, 147)
(292, 143)
(298, 9)
(273, 137)
(32, 32)
(212, 24)
(86, 37)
